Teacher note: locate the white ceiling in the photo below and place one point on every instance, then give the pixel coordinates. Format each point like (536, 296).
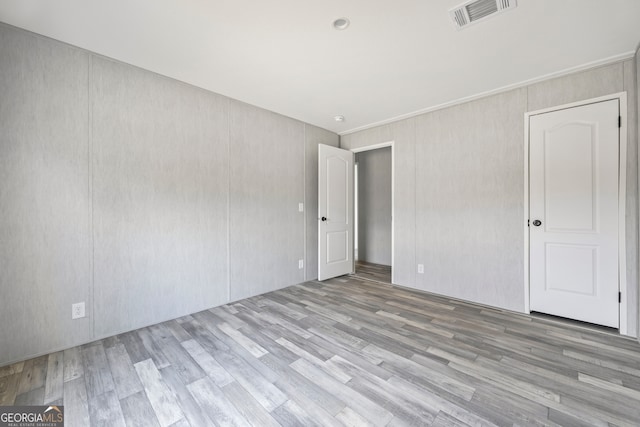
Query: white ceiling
(397, 57)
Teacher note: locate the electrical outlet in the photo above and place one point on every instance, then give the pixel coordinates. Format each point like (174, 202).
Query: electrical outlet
(300, 207)
(420, 268)
(300, 264)
(77, 310)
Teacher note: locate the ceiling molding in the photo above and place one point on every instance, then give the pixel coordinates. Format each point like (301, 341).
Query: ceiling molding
(590, 65)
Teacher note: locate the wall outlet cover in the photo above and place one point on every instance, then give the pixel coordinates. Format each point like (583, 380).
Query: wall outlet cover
(77, 310)
(421, 268)
(300, 264)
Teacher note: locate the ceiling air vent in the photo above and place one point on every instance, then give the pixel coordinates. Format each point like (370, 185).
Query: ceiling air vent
(477, 10)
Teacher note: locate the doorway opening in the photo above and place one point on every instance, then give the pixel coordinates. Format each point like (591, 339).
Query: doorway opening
(373, 212)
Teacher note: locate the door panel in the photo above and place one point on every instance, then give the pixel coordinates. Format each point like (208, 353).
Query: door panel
(573, 176)
(337, 247)
(337, 170)
(578, 281)
(569, 177)
(335, 212)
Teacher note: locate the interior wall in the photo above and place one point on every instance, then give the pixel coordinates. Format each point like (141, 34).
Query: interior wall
(630, 85)
(45, 247)
(469, 204)
(637, 73)
(374, 205)
(160, 160)
(266, 234)
(465, 201)
(140, 195)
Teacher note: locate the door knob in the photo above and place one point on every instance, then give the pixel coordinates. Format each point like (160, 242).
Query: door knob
(324, 218)
(537, 222)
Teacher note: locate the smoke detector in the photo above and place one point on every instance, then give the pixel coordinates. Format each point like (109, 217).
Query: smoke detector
(341, 24)
(475, 11)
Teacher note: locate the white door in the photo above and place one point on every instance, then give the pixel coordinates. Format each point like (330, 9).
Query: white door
(573, 211)
(335, 212)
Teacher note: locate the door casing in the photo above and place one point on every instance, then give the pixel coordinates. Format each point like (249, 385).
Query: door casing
(622, 189)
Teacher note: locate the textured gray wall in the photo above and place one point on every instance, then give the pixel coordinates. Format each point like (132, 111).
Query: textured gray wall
(144, 197)
(313, 136)
(44, 195)
(266, 231)
(160, 188)
(575, 87)
(374, 206)
(462, 208)
(637, 144)
(469, 204)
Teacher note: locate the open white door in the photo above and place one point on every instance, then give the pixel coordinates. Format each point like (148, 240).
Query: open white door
(335, 212)
(573, 207)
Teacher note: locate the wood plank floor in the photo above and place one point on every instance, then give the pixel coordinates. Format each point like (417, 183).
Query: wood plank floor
(343, 352)
(371, 271)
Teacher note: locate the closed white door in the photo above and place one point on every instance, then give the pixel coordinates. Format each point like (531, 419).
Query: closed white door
(573, 233)
(335, 212)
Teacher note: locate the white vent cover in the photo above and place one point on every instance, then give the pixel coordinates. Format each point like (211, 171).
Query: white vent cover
(477, 10)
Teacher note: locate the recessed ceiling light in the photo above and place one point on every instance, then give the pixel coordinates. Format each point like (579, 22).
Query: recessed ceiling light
(341, 24)
(339, 118)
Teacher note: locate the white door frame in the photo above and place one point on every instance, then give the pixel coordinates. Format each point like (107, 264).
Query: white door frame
(393, 204)
(622, 192)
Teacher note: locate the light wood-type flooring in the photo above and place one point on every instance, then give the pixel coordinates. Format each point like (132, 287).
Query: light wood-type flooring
(343, 352)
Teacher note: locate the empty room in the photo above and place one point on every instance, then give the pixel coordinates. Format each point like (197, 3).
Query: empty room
(336, 213)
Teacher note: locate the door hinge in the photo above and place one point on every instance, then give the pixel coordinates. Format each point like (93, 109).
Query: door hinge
(619, 297)
(619, 121)
(528, 223)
